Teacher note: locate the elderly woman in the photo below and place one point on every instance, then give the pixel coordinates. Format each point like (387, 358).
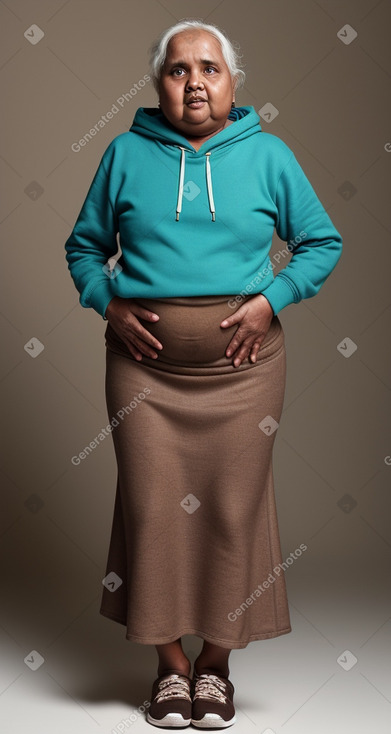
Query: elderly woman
(196, 364)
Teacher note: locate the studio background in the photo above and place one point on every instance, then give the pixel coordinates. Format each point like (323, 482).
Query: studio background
(332, 462)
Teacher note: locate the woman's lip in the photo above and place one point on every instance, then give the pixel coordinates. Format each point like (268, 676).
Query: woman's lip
(196, 103)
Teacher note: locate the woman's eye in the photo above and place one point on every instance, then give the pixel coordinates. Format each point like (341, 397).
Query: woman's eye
(180, 72)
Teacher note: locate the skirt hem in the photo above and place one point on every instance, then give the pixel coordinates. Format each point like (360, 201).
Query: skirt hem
(232, 644)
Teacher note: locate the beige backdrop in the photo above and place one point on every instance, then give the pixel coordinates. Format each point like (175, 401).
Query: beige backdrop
(332, 454)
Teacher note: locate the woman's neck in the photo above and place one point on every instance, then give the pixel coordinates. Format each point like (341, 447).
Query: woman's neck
(198, 141)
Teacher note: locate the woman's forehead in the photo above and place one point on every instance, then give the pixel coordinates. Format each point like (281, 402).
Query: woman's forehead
(194, 43)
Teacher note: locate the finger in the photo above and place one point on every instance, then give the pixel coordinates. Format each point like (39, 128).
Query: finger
(144, 313)
(134, 352)
(237, 339)
(135, 330)
(242, 335)
(142, 347)
(254, 351)
(241, 355)
(148, 338)
(250, 351)
(235, 318)
(242, 352)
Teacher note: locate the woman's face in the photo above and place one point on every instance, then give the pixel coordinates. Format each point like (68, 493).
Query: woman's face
(196, 89)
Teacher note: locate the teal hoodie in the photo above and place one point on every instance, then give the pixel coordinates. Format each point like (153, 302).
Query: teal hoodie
(194, 223)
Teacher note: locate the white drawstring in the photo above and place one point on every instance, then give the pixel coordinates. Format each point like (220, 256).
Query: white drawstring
(208, 181)
(180, 189)
(210, 190)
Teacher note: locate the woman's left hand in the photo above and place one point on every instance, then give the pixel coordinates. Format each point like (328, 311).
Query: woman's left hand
(254, 319)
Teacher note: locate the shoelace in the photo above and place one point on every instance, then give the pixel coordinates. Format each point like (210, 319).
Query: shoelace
(210, 686)
(173, 686)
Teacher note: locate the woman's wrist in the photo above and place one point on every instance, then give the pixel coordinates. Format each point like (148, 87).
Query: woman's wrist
(261, 296)
(110, 305)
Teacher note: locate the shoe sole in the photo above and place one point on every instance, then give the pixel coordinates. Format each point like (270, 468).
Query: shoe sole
(173, 720)
(213, 721)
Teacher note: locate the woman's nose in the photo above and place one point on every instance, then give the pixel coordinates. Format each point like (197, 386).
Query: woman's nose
(195, 81)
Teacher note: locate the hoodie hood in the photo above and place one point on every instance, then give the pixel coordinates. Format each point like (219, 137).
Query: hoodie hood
(151, 123)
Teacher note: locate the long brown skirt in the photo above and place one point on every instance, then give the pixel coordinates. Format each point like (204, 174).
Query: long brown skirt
(195, 545)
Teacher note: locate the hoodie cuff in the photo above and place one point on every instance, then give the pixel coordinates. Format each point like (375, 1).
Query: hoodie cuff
(279, 294)
(100, 297)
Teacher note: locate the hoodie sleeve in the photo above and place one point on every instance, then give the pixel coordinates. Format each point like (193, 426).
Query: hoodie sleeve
(92, 242)
(318, 246)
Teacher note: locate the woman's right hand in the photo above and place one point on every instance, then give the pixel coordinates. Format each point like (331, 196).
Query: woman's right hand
(123, 315)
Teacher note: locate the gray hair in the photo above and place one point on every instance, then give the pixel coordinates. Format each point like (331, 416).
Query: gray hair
(229, 49)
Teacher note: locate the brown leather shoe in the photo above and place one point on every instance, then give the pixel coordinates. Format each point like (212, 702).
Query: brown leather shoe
(213, 706)
(170, 701)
